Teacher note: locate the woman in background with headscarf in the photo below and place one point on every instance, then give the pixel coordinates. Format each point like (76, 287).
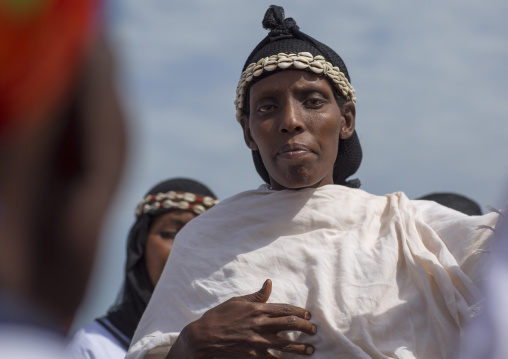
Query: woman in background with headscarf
(165, 209)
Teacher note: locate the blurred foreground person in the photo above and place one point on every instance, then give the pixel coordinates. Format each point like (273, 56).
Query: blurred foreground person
(165, 209)
(355, 275)
(62, 145)
(486, 332)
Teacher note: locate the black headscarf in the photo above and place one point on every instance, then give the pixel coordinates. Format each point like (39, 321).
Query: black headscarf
(285, 37)
(126, 313)
(455, 201)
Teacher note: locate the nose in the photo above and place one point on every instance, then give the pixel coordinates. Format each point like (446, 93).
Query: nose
(291, 119)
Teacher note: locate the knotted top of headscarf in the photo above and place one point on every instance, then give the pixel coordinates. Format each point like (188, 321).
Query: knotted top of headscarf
(280, 27)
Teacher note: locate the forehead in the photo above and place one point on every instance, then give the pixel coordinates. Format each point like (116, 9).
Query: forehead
(290, 79)
(176, 216)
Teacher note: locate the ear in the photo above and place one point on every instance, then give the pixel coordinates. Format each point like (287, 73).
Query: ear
(249, 141)
(347, 126)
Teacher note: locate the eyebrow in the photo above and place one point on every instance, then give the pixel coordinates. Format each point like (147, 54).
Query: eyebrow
(172, 221)
(309, 86)
(314, 86)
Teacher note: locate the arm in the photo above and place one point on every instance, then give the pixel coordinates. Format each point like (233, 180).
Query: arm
(244, 327)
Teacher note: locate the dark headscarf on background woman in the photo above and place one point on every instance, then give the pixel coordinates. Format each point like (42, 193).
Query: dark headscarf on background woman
(177, 193)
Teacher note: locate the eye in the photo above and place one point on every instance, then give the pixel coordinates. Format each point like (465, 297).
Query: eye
(314, 102)
(265, 105)
(168, 234)
(266, 108)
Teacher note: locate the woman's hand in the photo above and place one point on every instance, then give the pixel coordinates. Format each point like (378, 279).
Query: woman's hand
(244, 327)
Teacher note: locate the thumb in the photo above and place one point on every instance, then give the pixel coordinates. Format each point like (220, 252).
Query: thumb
(261, 296)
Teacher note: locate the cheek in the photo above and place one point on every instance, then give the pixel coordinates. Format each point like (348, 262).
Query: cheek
(164, 248)
(329, 133)
(332, 133)
(157, 251)
(261, 135)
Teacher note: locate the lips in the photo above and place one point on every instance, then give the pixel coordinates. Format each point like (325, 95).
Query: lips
(294, 150)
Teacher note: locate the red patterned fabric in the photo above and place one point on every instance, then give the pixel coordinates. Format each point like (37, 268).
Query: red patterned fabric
(41, 47)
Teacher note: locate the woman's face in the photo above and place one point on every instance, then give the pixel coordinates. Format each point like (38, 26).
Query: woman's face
(295, 123)
(161, 236)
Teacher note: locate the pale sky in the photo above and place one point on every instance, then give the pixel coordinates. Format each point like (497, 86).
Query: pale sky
(431, 82)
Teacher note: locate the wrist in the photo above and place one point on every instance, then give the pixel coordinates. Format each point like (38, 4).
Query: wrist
(184, 346)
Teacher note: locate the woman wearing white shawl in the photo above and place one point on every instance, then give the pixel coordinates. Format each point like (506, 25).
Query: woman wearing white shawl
(381, 276)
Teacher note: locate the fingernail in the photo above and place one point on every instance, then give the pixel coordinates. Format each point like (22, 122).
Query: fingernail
(307, 315)
(314, 329)
(309, 350)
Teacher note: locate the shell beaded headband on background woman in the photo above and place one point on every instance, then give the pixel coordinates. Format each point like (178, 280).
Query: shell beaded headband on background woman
(301, 61)
(175, 200)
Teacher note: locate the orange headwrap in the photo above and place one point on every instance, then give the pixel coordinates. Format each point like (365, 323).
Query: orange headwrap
(42, 43)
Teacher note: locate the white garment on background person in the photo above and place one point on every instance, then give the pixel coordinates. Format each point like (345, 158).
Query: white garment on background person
(383, 276)
(94, 341)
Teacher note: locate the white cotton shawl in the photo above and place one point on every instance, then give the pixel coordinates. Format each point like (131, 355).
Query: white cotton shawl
(383, 276)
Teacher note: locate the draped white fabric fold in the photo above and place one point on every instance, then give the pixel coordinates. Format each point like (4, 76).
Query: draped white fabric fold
(383, 276)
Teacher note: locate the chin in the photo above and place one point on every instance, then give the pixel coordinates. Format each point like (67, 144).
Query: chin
(296, 178)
